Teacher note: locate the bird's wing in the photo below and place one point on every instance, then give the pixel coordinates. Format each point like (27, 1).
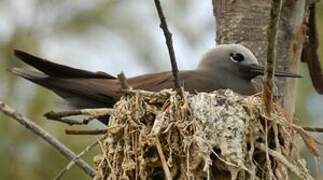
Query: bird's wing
(196, 81)
(152, 82)
(193, 81)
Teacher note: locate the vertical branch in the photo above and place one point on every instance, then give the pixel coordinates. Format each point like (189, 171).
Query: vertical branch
(169, 43)
(268, 84)
(272, 33)
(163, 159)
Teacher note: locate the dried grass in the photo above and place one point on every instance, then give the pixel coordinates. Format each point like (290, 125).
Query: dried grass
(218, 135)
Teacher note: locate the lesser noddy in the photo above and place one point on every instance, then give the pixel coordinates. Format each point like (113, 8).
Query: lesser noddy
(230, 66)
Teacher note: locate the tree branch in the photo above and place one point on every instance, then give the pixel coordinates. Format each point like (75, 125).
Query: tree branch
(162, 159)
(313, 129)
(72, 122)
(55, 143)
(278, 156)
(169, 43)
(268, 83)
(272, 33)
(93, 113)
(86, 132)
(72, 163)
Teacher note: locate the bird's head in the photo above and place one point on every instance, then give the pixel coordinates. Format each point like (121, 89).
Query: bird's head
(236, 60)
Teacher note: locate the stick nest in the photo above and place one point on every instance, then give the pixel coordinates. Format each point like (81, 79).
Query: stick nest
(219, 135)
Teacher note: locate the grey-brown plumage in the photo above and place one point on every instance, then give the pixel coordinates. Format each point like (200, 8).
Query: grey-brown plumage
(226, 66)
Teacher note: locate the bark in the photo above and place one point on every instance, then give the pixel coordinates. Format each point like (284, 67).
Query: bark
(246, 21)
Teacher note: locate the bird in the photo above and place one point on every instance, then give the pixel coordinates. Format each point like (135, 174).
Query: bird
(226, 66)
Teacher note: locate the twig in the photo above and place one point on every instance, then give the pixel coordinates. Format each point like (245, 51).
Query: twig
(72, 163)
(158, 124)
(162, 159)
(310, 142)
(123, 81)
(86, 132)
(66, 152)
(53, 115)
(94, 113)
(58, 116)
(299, 171)
(72, 122)
(169, 43)
(270, 68)
(313, 129)
(271, 54)
(90, 112)
(268, 160)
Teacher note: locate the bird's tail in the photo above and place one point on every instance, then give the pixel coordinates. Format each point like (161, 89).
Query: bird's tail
(50, 71)
(28, 74)
(79, 87)
(58, 70)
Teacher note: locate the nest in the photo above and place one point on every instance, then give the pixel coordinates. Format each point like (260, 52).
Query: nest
(218, 135)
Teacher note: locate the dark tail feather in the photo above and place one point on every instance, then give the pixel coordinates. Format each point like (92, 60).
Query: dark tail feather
(78, 94)
(74, 98)
(30, 75)
(33, 76)
(58, 70)
(60, 79)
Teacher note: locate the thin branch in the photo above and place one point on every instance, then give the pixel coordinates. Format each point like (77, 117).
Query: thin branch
(299, 171)
(169, 43)
(72, 163)
(86, 132)
(313, 129)
(158, 124)
(272, 33)
(310, 142)
(268, 160)
(72, 122)
(61, 114)
(270, 67)
(59, 117)
(93, 113)
(90, 112)
(162, 159)
(33, 127)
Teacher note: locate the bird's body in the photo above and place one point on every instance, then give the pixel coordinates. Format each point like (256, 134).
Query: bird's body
(226, 66)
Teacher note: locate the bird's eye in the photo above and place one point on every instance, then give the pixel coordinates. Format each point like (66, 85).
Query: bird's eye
(236, 57)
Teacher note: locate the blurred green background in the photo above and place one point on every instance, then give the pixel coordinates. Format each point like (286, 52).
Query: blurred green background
(107, 35)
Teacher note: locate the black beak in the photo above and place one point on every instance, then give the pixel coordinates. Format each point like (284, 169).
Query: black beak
(259, 70)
